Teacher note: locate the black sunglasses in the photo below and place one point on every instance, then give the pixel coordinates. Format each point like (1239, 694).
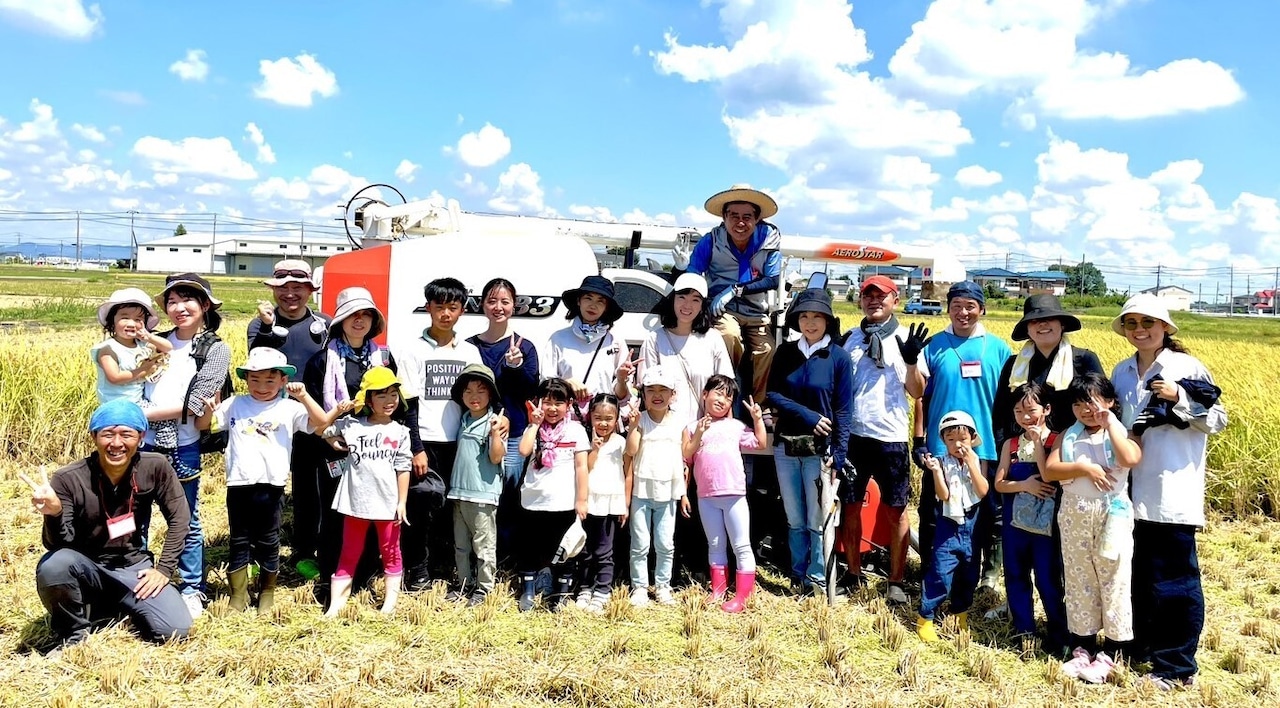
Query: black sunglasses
(293, 274)
(1145, 323)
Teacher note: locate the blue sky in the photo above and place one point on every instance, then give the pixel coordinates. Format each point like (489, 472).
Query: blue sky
(1136, 132)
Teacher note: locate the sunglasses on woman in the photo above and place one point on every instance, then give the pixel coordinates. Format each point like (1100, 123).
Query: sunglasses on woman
(292, 274)
(1145, 323)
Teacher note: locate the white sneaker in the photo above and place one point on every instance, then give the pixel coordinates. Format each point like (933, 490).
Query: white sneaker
(665, 597)
(598, 602)
(895, 595)
(584, 599)
(640, 597)
(195, 604)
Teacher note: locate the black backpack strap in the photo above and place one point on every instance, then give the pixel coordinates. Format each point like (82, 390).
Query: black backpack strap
(199, 354)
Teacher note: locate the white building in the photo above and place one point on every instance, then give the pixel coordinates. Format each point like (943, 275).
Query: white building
(1174, 297)
(234, 254)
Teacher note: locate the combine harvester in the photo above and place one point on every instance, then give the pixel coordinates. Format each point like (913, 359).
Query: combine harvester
(401, 247)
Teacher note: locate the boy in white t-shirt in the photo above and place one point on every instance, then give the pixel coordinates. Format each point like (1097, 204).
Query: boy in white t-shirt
(261, 427)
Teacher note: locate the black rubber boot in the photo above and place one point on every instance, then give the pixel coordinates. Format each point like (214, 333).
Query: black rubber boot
(528, 593)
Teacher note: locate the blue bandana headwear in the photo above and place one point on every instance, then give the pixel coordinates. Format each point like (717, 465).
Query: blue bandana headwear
(969, 289)
(121, 411)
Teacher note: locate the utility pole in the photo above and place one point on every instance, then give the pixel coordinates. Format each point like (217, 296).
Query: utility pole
(60, 252)
(302, 239)
(1248, 291)
(213, 245)
(1158, 267)
(1200, 293)
(133, 240)
(1231, 289)
(77, 267)
(1275, 291)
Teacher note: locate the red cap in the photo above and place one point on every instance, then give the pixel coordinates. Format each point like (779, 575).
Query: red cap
(879, 282)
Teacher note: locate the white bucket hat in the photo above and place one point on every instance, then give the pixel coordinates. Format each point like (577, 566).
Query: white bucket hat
(128, 296)
(1144, 304)
(572, 543)
(351, 301)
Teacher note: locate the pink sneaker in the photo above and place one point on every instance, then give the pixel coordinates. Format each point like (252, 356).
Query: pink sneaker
(1079, 661)
(1099, 670)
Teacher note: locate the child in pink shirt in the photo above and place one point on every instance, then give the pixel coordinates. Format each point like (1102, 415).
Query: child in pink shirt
(715, 446)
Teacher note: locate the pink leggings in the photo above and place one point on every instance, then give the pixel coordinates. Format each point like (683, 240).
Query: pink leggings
(353, 534)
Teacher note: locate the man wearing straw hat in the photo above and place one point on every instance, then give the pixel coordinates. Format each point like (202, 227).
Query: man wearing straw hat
(742, 262)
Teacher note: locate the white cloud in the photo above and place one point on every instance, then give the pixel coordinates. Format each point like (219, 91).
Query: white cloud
(519, 191)
(191, 67)
(1102, 86)
(592, 213)
(215, 157)
(211, 189)
(483, 147)
(296, 81)
(294, 190)
(88, 132)
(794, 98)
(977, 176)
(406, 171)
(265, 154)
(42, 126)
(91, 176)
(69, 19)
(1028, 49)
(328, 179)
(165, 179)
(128, 98)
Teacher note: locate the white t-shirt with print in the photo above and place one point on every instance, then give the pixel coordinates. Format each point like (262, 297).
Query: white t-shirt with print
(261, 438)
(555, 488)
(378, 453)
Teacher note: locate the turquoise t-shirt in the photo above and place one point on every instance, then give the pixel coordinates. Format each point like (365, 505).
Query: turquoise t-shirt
(949, 390)
(475, 478)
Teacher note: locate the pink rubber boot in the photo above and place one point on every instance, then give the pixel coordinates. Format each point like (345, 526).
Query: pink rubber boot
(746, 584)
(719, 582)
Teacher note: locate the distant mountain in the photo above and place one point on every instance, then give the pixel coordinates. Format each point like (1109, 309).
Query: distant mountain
(89, 252)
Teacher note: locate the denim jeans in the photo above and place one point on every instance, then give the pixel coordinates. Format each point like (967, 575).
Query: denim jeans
(186, 462)
(798, 485)
(1027, 554)
(656, 520)
(955, 567)
(513, 462)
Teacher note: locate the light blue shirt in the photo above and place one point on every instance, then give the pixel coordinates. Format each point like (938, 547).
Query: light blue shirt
(948, 390)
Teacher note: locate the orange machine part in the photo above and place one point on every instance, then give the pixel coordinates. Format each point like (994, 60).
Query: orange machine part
(369, 268)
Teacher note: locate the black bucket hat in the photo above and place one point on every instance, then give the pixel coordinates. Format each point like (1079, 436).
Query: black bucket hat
(599, 285)
(812, 300)
(212, 318)
(1043, 307)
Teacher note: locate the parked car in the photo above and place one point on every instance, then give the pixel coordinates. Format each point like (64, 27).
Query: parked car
(917, 306)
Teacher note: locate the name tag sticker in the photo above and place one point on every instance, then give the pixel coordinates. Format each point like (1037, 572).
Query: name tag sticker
(970, 369)
(120, 526)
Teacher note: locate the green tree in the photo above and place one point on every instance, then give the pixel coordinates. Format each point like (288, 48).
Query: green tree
(1083, 279)
(180, 231)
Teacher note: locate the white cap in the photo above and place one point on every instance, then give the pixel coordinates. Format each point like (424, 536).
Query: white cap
(572, 543)
(658, 375)
(691, 281)
(955, 418)
(266, 359)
